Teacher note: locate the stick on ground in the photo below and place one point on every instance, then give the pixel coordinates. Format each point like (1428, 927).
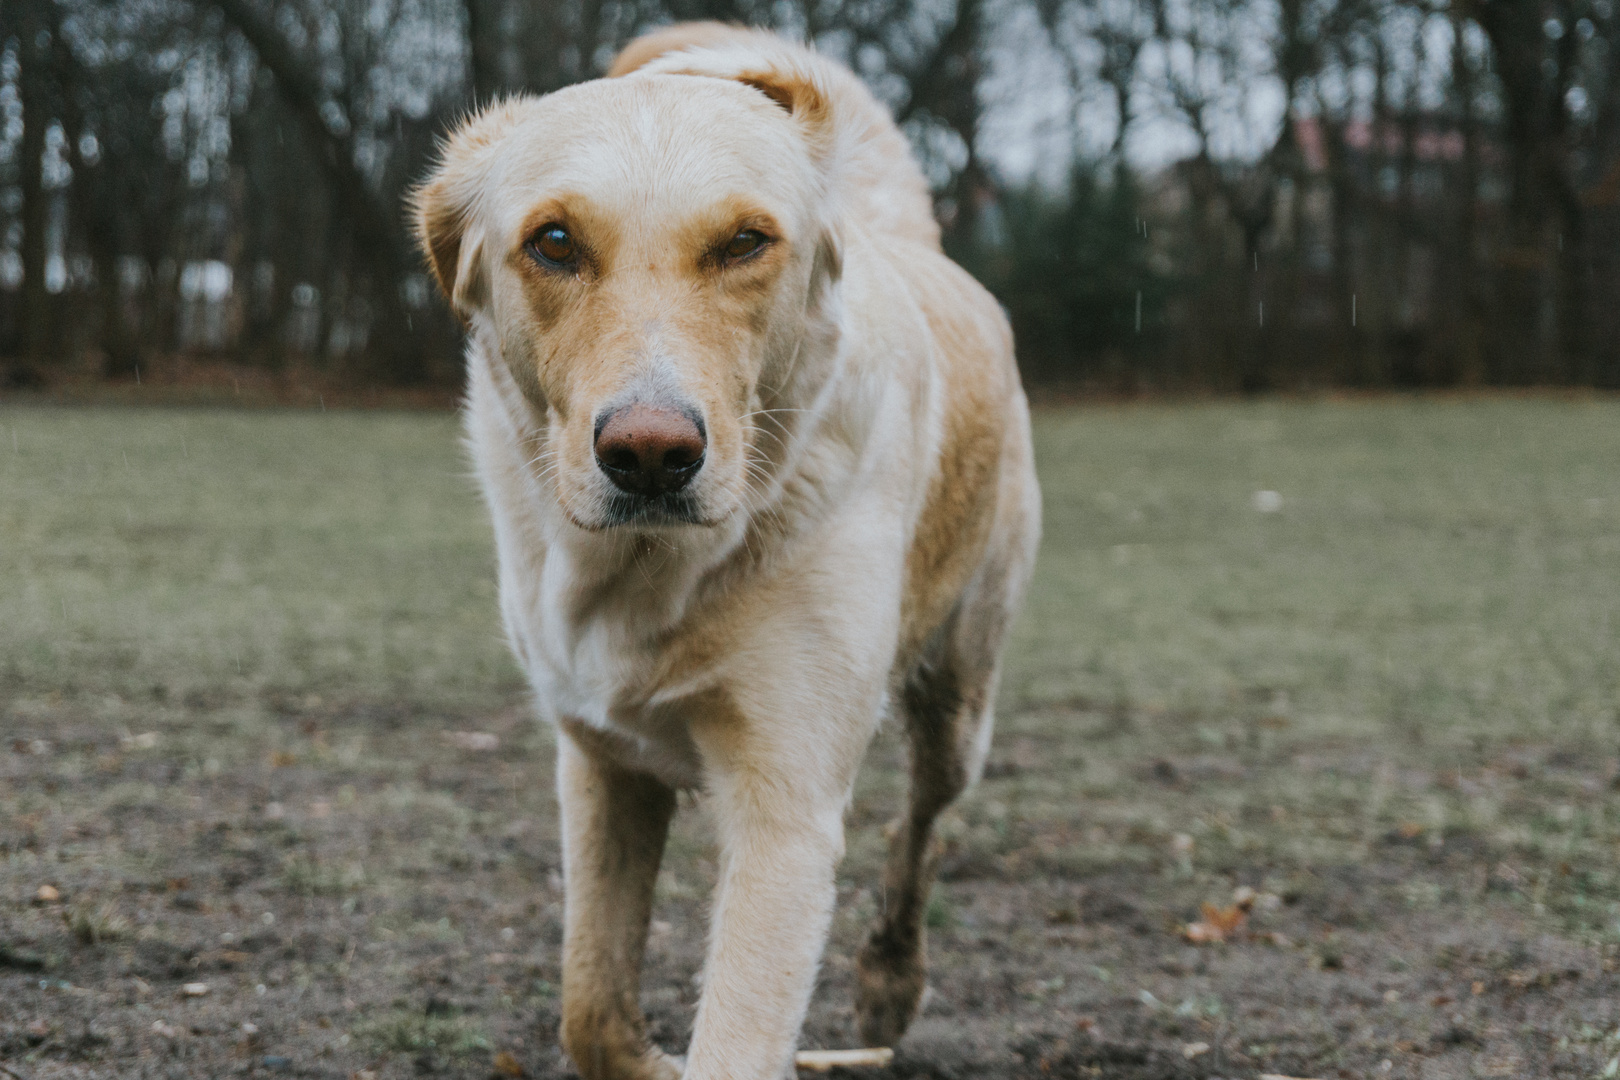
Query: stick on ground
(822, 1060)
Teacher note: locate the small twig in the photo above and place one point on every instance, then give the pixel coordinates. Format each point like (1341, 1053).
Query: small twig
(823, 1060)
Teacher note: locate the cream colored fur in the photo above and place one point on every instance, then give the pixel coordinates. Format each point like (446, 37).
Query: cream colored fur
(866, 514)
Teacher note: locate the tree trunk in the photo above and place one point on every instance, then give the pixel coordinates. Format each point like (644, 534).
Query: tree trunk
(1533, 110)
(1464, 313)
(484, 50)
(35, 27)
(376, 233)
(946, 87)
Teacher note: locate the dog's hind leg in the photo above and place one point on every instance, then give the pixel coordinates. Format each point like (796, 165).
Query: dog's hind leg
(892, 968)
(946, 701)
(615, 823)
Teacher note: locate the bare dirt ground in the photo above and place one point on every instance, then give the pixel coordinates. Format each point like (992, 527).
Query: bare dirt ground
(359, 892)
(271, 802)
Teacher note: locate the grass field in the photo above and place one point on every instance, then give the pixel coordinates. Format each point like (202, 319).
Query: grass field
(236, 649)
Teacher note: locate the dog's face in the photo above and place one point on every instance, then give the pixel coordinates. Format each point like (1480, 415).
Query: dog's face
(644, 253)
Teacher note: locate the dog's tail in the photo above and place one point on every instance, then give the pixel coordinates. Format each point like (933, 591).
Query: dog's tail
(869, 163)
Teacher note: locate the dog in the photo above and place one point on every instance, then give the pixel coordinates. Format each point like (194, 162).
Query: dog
(759, 465)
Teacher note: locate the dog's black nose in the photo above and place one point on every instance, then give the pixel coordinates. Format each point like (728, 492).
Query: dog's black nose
(648, 449)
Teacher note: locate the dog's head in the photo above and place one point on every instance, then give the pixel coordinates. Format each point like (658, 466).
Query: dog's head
(646, 255)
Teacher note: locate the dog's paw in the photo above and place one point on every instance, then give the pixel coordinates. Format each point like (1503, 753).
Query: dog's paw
(888, 993)
(654, 1064)
(626, 1060)
(662, 1066)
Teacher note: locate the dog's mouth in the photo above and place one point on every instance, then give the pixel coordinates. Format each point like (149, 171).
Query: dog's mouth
(620, 509)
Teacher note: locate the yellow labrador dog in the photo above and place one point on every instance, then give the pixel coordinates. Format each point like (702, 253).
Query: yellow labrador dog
(759, 465)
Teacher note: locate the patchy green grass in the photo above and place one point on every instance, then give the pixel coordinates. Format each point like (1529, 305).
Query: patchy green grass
(235, 649)
(1436, 572)
(411, 1032)
(210, 557)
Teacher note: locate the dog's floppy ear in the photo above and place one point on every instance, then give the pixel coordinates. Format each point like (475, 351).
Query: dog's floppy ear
(442, 208)
(442, 230)
(789, 76)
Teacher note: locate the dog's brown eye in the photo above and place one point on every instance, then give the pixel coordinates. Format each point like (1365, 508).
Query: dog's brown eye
(744, 244)
(553, 244)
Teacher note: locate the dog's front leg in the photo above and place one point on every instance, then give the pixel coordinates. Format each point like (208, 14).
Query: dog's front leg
(779, 813)
(615, 823)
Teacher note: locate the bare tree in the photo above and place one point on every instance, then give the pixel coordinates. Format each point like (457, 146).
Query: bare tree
(36, 26)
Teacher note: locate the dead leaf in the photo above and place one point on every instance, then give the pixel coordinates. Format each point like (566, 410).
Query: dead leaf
(507, 1065)
(1409, 830)
(1227, 918)
(1201, 933)
(1217, 924)
(281, 759)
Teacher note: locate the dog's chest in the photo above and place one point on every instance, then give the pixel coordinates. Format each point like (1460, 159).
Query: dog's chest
(596, 667)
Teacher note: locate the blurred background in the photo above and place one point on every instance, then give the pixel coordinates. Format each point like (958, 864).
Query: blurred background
(1166, 194)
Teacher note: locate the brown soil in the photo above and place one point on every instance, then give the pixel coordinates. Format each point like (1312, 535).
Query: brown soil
(374, 898)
